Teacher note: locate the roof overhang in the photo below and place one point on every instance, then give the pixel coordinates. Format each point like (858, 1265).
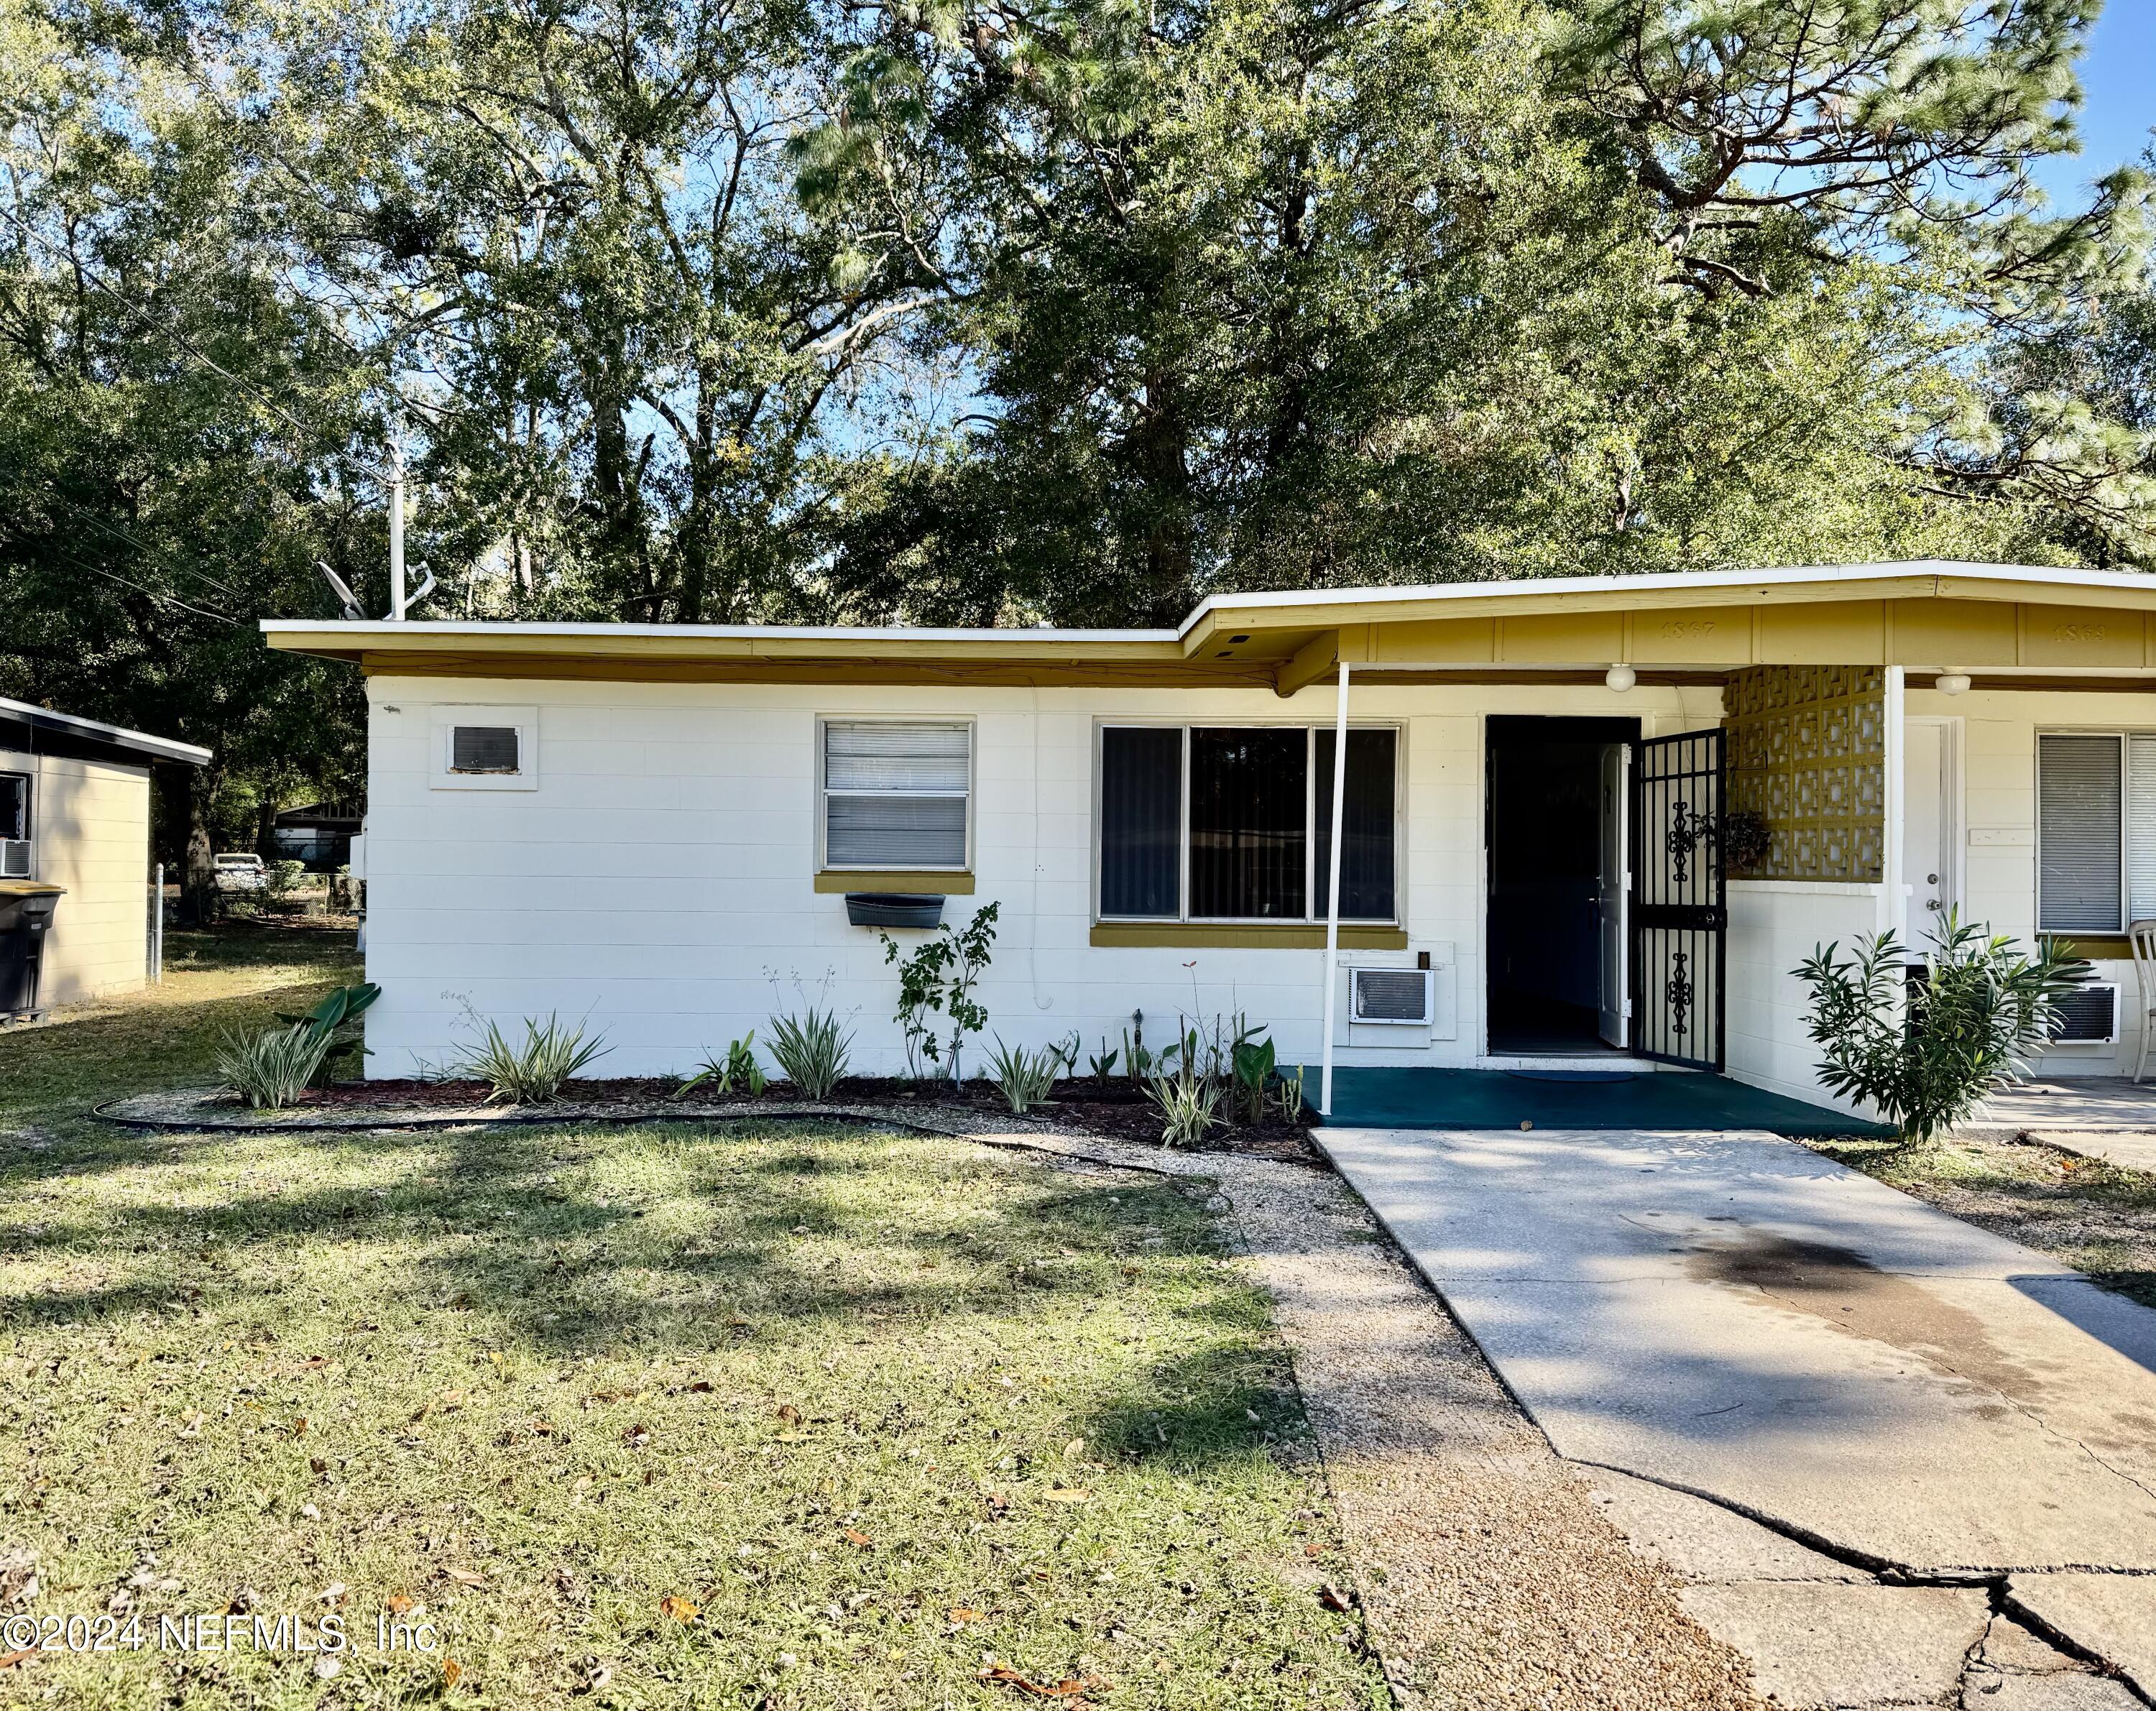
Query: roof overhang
(1933, 615)
(96, 732)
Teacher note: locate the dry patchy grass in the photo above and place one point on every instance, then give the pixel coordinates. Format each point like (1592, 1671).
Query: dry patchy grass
(644, 1417)
(2097, 1217)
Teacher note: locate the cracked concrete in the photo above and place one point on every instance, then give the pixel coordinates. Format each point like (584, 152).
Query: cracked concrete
(1865, 1434)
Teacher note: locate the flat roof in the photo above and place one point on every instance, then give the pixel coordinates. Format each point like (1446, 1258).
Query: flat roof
(1957, 615)
(97, 731)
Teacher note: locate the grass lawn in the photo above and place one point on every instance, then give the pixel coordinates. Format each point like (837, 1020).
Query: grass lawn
(2097, 1217)
(792, 1416)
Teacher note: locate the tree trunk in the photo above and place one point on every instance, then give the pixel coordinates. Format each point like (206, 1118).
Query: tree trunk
(198, 898)
(265, 827)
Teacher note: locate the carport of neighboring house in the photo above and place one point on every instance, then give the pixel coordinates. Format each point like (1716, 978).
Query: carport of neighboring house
(1620, 811)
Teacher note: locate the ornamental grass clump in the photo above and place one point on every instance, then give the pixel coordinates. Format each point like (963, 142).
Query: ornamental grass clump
(1923, 1046)
(534, 1072)
(811, 1050)
(271, 1069)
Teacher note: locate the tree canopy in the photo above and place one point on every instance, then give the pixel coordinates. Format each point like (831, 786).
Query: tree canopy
(989, 311)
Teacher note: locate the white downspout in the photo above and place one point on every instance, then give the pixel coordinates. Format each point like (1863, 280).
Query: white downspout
(1893, 913)
(1332, 889)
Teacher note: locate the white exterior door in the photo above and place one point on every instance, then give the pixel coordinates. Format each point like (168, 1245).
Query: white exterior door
(1927, 825)
(1612, 886)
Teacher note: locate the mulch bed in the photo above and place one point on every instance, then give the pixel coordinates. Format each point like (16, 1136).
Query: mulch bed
(1115, 1111)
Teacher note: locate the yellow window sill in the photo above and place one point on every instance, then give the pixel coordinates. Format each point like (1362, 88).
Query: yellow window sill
(1251, 935)
(947, 885)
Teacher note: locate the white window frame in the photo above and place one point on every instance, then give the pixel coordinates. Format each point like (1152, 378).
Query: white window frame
(1314, 909)
(825, 793)
(441, 739)
(2125, 734)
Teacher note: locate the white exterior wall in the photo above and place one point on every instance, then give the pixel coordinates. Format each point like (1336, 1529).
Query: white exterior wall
(89, 826)
(1996, 733)
(1773, 925)
(661, 878)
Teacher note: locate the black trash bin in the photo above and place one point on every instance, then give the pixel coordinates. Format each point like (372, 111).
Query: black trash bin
(25, 914)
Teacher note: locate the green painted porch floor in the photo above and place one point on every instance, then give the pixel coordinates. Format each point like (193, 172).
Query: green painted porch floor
(1463, 1099)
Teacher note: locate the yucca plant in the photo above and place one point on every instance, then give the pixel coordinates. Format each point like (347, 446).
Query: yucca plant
(270, 1070)
(1024, 1078)
(1187, 1100)
(812, 1050)
(536, 1070)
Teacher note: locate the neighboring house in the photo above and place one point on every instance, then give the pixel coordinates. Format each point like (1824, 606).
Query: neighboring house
(654, 826)
(320, 833)
(74, 812)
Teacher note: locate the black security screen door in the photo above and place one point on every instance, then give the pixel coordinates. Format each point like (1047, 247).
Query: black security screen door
(1679, 921)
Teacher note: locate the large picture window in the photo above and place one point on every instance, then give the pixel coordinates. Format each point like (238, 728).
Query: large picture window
(1234, 823)
(895, 794)
(2095, 830)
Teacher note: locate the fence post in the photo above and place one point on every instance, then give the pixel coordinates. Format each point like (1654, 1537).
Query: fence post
(157, 928)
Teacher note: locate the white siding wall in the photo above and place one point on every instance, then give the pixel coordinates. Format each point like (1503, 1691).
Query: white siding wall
(1774, 925)
(1999, 745)
(91, 824)
(661, 878)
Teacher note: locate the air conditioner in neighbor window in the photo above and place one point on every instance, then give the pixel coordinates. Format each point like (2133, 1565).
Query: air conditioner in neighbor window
(1396, 997)
(14, 858)
(2088, 1016)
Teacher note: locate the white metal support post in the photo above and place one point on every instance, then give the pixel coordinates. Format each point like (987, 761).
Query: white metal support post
(397, 528)
(1332, 890)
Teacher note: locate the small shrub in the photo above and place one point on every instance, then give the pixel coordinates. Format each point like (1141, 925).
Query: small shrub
(284, 876)
(1102, 1063)
(536, 1072)
(1024, 1078)
(812, 1050)
(270, 1070)
(940, 974)
(1288, 1090)
(1746, 839)
(336, 1018)
(1923, 1052)
(738, 1072)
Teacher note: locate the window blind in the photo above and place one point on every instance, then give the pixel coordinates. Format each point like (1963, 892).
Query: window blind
(14, 805)
(1141, 821)
(2079, 819)
(1366, 878)
(1250, 824)
(895, 795)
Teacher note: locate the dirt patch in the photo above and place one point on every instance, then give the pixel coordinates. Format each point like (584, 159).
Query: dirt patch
(1114, 1110)
(1841, 1288)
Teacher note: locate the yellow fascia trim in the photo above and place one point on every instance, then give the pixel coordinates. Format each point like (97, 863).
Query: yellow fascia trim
(915, 883)
(1253, 935)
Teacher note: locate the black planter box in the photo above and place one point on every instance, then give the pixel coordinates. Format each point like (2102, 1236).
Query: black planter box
(893, 909)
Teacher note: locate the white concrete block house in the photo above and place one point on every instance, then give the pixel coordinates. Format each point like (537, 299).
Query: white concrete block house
(656, 826)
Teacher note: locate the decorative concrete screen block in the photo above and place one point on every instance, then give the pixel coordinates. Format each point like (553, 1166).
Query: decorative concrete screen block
(1807, 754)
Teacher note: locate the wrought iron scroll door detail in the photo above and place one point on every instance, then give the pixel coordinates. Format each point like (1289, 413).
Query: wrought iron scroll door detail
(1680, 919)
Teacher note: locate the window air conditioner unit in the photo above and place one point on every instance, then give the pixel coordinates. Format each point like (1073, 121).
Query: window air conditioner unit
(14, 858)
(1390, 997)
(2088, 1016)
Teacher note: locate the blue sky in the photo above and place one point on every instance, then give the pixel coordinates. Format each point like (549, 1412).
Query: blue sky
(2118, 81)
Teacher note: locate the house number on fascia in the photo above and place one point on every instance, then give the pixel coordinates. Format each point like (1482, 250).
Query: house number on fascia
(2077, 632)
(1687, 631)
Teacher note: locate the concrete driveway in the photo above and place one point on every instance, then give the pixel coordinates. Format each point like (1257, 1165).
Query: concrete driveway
(1734, 1319)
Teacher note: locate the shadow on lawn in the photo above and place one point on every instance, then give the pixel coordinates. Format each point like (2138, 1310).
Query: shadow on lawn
(747, 1241)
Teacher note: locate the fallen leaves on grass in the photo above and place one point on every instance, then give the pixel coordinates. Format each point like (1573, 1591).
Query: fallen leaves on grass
(13, 1658)
(402, 1603)
(1068, 1494)
(859, 1539)
(682, 1610)
(466, 1577)
(1332, 1598)
(1070, 1689)
(962, 1614)
(452, 1672)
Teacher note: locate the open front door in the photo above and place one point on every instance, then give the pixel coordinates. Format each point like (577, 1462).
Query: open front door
(1679, 919)
(1611, 885)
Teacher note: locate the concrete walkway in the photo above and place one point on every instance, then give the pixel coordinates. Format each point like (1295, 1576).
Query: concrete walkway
(1754, 1333)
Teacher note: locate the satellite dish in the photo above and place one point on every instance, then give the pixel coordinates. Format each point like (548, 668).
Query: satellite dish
(345, 598)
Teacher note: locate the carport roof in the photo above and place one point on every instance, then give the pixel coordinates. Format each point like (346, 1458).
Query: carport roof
(2018, 623)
